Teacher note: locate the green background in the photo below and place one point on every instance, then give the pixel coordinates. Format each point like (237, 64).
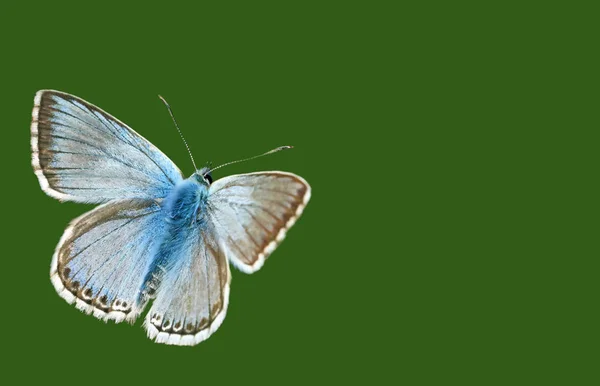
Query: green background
(451, 147)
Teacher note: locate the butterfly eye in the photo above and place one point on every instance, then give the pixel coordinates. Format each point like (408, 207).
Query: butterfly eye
(208, 178)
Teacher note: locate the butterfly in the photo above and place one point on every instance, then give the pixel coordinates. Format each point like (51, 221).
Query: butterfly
(156, 236)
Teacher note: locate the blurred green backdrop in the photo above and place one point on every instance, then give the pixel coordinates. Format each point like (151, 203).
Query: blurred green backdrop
(451, 154)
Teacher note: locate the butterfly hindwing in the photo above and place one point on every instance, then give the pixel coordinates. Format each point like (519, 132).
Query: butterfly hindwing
(81, 153)
(193, 295)
(251, 214)
(103, 257)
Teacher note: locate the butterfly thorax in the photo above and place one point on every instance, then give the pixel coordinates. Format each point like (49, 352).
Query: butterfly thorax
(185, 205)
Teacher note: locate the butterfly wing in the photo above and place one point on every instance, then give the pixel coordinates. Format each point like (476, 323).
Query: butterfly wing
(103, 257)
(251, 214)
(193, 294)
(81, 153)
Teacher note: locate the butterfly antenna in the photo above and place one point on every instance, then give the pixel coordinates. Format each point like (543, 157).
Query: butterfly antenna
(179, 131)
(256, 156)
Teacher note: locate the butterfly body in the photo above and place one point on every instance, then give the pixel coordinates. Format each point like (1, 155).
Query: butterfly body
(183, 216)
(157, 238)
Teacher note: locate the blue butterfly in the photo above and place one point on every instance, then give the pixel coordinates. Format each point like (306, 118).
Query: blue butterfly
(156, 235)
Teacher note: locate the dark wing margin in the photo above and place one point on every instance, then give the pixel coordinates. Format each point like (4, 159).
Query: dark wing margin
(81, 153)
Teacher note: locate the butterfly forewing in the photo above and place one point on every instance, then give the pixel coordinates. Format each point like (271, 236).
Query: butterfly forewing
(81, 153)
(251, 214)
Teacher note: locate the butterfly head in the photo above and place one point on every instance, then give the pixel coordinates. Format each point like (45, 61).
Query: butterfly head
(203, 176)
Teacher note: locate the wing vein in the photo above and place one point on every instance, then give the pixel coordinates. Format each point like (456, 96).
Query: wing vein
(141, 150)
